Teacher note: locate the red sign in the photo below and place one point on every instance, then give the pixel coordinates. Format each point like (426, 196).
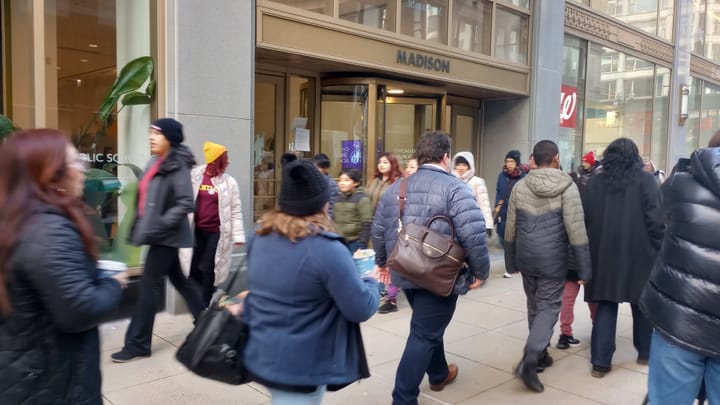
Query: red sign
(568, 106)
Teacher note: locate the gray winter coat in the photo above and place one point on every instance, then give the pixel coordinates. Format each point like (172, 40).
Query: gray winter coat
(430, 192)
(167, 205)
(545, 214)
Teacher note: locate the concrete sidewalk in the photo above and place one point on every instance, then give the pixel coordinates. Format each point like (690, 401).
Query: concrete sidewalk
(485, 338)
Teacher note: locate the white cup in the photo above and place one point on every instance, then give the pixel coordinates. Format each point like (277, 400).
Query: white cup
(109, 268)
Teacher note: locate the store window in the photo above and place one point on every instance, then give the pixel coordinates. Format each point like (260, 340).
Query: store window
(315, 6)
(703, 114)
(512, 30)
(426, 20)
(374, 13)
(87, 44)
(626, 113)
(693, 123)
(698, 26)
(572, 103)
(472, 25)
(652, 16)
(661, 109)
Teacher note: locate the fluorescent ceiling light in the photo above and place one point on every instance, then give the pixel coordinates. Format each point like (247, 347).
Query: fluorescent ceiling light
(396, 91)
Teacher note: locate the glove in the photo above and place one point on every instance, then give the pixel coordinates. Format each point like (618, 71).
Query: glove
(489, 233)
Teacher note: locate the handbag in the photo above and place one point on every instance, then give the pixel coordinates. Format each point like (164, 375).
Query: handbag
(214, 348)
(428, 258)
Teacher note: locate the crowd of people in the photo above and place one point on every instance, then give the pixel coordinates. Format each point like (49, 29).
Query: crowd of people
(609, 227)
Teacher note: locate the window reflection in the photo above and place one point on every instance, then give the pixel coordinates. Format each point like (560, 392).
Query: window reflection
(373, 13)
(316, 6)
(426, 19)
(572, 103)
(472, 25)
(652, 16)
(511, 35)
(703, 114)
(619, 100)
(343, 128)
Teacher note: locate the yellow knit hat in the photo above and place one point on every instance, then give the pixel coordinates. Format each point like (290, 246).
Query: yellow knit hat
(213, 151)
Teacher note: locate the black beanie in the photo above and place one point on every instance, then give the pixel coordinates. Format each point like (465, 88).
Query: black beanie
(514, 155)
(172, 130)
(303, 189)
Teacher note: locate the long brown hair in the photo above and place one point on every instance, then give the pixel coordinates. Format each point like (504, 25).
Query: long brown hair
(33, 166)
(293, 227)
(395, 172)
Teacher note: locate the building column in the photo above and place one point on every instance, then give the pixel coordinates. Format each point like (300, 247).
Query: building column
(680, 76)
(519, 123)
(210, 62)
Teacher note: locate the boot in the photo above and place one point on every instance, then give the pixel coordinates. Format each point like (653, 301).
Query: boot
(527, 372)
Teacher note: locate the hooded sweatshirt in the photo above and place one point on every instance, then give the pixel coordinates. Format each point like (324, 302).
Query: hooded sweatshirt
(478, 186)
(545, 214)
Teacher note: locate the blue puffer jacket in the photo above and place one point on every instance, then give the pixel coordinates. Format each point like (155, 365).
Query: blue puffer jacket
(430, 192)
(306, 300)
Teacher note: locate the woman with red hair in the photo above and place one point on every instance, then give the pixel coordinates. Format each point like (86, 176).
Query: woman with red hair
(217, 221)
(51, 295)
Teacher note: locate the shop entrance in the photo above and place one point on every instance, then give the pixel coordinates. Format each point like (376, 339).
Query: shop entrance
(364, 118)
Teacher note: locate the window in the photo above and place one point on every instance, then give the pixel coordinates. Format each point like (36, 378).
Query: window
(472, 25)
(511, 35)
(374, 13)
(315, 6)
(426, 19)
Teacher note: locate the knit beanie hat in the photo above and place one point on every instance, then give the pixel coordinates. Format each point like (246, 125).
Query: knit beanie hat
(213, 151)
(303, 189)
(589, 157)
(514, 155)
(172, 130)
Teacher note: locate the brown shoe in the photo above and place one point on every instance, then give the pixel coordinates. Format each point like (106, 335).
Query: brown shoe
(452, 375)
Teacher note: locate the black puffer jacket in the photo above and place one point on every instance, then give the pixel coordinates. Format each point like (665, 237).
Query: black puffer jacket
(49, 346)
(169, 200)
(682, 297)
(545, 216)
(430, 192)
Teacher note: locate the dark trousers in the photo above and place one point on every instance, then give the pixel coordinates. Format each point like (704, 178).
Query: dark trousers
(602, 343)
(424, 350)
(160, 261)
(544, 299)
(202, 269)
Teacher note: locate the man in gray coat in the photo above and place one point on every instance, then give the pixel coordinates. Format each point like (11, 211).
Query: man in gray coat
(431, 191)
(545, 214)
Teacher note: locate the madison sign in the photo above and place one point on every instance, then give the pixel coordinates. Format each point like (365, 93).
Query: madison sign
(422, 61)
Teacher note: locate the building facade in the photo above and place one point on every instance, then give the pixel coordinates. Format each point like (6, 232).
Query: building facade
(357, 78)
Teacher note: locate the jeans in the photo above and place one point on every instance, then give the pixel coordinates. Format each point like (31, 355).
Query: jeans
(544, 297)
(160, 260)
(602, 342)
(676, 374)
(567, 310)
(355, 245)
(424, 350)
(280, 397)
(202, 269)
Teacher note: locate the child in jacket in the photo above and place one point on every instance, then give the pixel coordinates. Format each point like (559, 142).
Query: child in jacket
(353, 211)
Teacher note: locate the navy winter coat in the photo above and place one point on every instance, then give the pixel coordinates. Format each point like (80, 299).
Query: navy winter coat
(430, 192)
(682, 296)
(49, 345)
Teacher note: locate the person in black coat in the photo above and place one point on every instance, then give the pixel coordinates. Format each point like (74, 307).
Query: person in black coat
(165, 198)
(52, 297)
(682, 297)
(622, 213)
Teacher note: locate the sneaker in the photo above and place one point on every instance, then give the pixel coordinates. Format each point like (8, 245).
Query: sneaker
(387, 307)
(507, 275)
(565, 341)
(544, 362)
(599, 371)
(124, 356)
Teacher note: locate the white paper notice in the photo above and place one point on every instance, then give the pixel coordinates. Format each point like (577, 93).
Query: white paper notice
(302, 139)
(299, 122)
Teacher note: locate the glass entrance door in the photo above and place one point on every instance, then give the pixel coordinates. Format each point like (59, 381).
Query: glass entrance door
(405, 120)
(269, 140)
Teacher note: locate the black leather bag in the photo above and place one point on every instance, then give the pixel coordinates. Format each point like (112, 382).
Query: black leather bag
(214, 348)
(428, 258)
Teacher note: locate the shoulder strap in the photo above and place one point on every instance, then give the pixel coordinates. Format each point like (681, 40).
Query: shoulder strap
(401, 196)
